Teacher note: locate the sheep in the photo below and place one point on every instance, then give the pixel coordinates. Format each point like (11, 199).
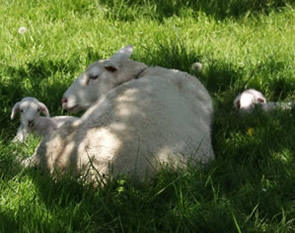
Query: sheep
(31, 121)
(137, 120)
(251, 98)
(247, 100)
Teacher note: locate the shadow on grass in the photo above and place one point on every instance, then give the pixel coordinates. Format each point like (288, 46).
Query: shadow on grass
(256, 137)
(172, 200)
(8, 223)
(161, 9)
(171, 54)
(216, 75)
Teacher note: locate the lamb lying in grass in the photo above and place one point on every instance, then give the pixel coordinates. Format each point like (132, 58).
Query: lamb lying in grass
(137, 119)
(246, 101)
(31, 121)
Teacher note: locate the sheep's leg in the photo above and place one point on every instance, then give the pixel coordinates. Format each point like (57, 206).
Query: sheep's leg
(34, 159)
(28, 162)
(21, 135)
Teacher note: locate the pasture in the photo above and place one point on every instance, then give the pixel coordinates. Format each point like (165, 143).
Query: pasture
(249, 187)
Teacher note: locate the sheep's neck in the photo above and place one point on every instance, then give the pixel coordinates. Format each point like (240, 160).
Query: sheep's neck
(140, 72)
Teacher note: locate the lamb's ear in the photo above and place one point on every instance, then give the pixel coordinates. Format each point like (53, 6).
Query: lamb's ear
(261, 100)
(43, 109)
(15, 109)
(237, 103)
(123, 53)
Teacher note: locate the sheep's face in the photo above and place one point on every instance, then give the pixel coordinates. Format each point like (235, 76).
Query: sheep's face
(97, 80)
(29, 109)
(29, 113)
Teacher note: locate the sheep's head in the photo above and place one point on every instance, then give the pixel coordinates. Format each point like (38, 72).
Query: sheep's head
(99, 78)
(247, 100)
(29, 109)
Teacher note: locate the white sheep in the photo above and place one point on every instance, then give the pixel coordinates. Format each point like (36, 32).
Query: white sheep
(139, 118)
(247, 100)
(31, 121)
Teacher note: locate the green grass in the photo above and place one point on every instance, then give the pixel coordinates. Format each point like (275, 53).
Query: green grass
(242, 44)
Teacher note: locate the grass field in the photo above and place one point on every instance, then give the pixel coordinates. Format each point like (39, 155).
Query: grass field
(242, 44)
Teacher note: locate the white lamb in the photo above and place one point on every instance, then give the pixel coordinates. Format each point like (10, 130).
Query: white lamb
(138, 119)
(251, 98)
(247, 100)
(31, 121)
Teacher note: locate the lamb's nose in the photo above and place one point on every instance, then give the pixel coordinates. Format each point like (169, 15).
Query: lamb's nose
(64, 100)
(31, 123)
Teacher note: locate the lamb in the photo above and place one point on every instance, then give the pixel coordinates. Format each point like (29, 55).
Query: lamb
(247, 100)
(137, 119)
(31, 121)
(251, 98)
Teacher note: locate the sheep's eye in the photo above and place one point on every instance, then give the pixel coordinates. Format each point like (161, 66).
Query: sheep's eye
(38, 110)
(93, 76)
(21, 111)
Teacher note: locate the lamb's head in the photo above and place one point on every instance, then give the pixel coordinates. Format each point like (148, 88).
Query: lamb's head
(247, 99)
(99, 78)
(29, 109)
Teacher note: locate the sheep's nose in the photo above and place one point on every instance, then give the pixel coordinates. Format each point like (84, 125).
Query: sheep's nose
(31, 123)
(64, 100)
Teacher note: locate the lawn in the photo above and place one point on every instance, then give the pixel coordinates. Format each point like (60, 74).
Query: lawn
(249, 187)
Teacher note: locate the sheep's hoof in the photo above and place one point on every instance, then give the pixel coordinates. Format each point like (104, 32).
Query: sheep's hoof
(28, 162)
(17, 140)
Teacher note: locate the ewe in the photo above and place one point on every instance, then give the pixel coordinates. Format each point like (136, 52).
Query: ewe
(31, 121)
(138, 118)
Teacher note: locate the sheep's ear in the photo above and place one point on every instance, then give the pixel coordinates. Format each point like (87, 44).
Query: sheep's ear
(261, 100)
(123, 53)
(43, 109)
(111, 66)
(114, 62)
(237, 104)
(15, 109)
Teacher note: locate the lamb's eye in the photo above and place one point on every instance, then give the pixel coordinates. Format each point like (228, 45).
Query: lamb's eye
(21, 111)
(38, 110)
(93, 76)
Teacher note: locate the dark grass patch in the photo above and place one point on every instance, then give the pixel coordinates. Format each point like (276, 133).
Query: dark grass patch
(124, 9)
